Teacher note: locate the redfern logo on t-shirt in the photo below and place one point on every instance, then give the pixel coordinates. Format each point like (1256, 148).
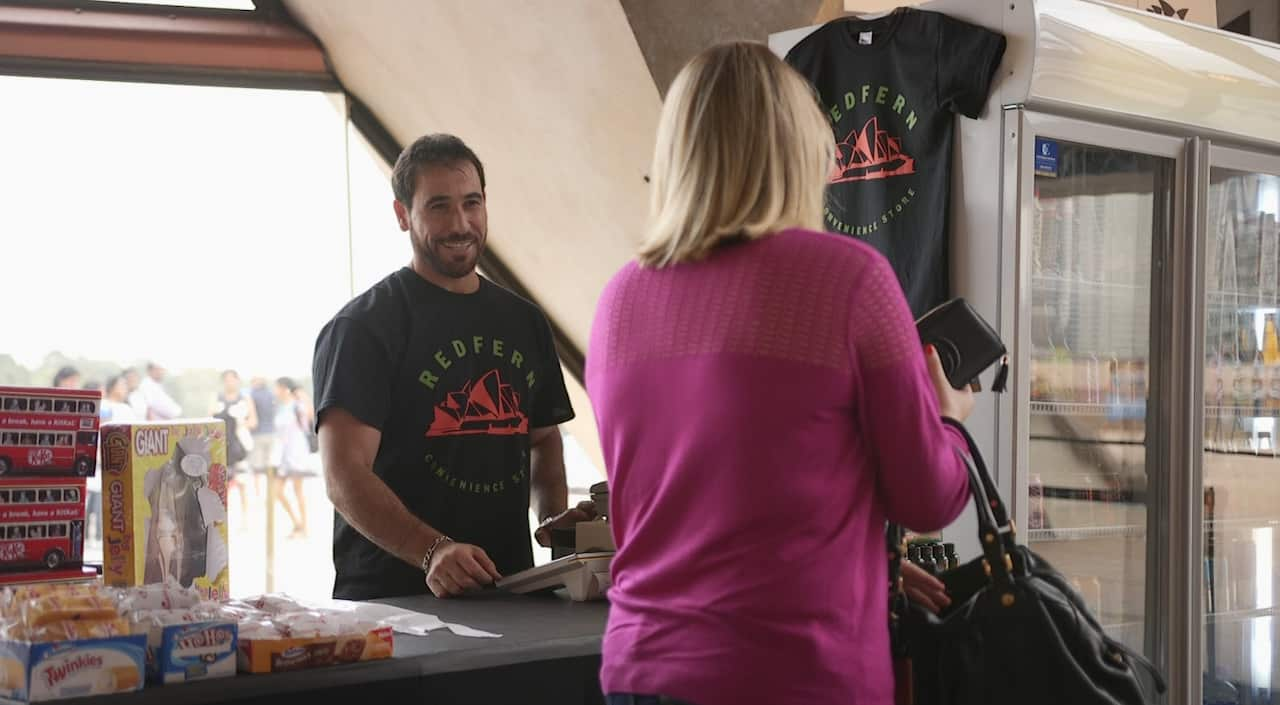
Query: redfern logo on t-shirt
(872, 125)
(486, 406)
(870, 153)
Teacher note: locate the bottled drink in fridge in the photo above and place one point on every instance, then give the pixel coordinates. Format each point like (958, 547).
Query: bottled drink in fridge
(1035, 512)
(939, 557)
(1270, 342)
(949, 550)
(1093, 595)
(926, 559)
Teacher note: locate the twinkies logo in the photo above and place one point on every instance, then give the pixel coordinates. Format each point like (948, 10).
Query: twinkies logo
(59, 672)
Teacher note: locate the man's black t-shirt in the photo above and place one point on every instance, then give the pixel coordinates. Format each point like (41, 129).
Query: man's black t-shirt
(889, 87)
(455, 383)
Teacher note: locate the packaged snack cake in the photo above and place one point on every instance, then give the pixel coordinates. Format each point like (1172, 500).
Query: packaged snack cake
(277, 633)
(66, 641)
(164, 501)
(187, 638)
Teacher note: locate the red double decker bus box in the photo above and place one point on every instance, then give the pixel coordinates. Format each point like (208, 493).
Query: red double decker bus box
(41, 523)
(48, 432)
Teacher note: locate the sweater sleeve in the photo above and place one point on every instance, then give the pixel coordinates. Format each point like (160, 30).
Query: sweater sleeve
(921, 479)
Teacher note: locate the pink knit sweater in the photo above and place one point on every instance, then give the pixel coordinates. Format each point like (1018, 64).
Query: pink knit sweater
(762, 414)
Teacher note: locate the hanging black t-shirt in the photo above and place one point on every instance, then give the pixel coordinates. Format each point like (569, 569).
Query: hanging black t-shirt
(889, 86)
(455, 383)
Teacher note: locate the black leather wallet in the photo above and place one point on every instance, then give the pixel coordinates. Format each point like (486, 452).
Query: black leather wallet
(966, 343)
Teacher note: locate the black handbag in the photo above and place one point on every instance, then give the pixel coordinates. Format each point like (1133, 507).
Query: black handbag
(965, 342)
(1014, 633)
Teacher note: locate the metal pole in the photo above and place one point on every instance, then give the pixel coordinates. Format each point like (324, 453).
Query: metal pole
(271, 529)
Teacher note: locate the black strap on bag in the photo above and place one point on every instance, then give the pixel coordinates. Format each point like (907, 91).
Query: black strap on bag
(1015, 632)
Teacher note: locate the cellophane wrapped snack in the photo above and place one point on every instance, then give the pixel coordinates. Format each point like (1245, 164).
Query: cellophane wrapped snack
(278, 633)
(62, 641)
(188, 638)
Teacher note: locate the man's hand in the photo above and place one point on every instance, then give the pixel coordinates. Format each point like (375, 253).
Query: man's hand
(458, 568)
(585, 511)
(924, 589)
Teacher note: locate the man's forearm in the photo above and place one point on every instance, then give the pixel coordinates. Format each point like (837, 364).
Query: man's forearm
(366, 502)
(549, 488)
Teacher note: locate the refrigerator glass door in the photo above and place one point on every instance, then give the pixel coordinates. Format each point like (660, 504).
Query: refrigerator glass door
(1241, 463)
(1096, 213)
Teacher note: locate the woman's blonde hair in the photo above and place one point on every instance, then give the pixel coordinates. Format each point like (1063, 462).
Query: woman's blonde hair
(743, 150)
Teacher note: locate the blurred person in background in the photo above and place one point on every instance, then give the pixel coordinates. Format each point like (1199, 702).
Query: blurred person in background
(764, 406)
(264, 435)
(160, 406)
(67, 377)
(237, 411)
(292, 453)
(133, 381)
(115, 401)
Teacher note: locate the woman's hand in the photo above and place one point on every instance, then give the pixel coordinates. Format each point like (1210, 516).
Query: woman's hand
(924, 589)
(953, 403)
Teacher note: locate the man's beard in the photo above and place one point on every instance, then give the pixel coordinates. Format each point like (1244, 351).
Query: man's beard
(438, 256)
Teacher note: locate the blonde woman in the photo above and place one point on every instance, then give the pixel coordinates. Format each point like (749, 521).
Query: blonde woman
(764, 406)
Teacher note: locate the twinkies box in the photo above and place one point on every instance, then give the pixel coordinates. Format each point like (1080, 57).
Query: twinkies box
(186, 652)
(276, 655)
(36, 672)
(164, 502)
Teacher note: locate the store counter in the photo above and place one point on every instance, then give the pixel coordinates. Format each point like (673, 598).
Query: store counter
(549, 653)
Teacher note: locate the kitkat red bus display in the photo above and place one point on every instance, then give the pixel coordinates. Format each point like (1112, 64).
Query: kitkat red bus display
(46, 431)
(41, 523)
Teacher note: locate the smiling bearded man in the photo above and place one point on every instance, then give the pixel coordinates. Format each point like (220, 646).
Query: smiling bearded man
(438, 395)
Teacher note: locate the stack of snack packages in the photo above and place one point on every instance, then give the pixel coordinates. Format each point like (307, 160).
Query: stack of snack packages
(64, 641)
(71, 640)
(278, 633)
(165, 522)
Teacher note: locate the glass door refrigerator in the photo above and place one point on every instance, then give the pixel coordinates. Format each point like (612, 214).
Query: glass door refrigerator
(1142, 197)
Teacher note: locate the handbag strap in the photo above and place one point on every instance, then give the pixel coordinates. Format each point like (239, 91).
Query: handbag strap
(996, 533)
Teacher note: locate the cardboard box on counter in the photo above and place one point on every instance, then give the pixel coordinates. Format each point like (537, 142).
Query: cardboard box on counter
(164, 501)
(36, 672)
(275, 655)
(178, 653)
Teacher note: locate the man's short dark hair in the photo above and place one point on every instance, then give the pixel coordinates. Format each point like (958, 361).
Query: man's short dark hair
(429, 150)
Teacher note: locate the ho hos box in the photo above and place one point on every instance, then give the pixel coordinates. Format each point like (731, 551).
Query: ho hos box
(178, 653)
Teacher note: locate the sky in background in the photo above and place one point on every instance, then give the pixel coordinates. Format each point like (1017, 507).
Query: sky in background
(196, 226)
